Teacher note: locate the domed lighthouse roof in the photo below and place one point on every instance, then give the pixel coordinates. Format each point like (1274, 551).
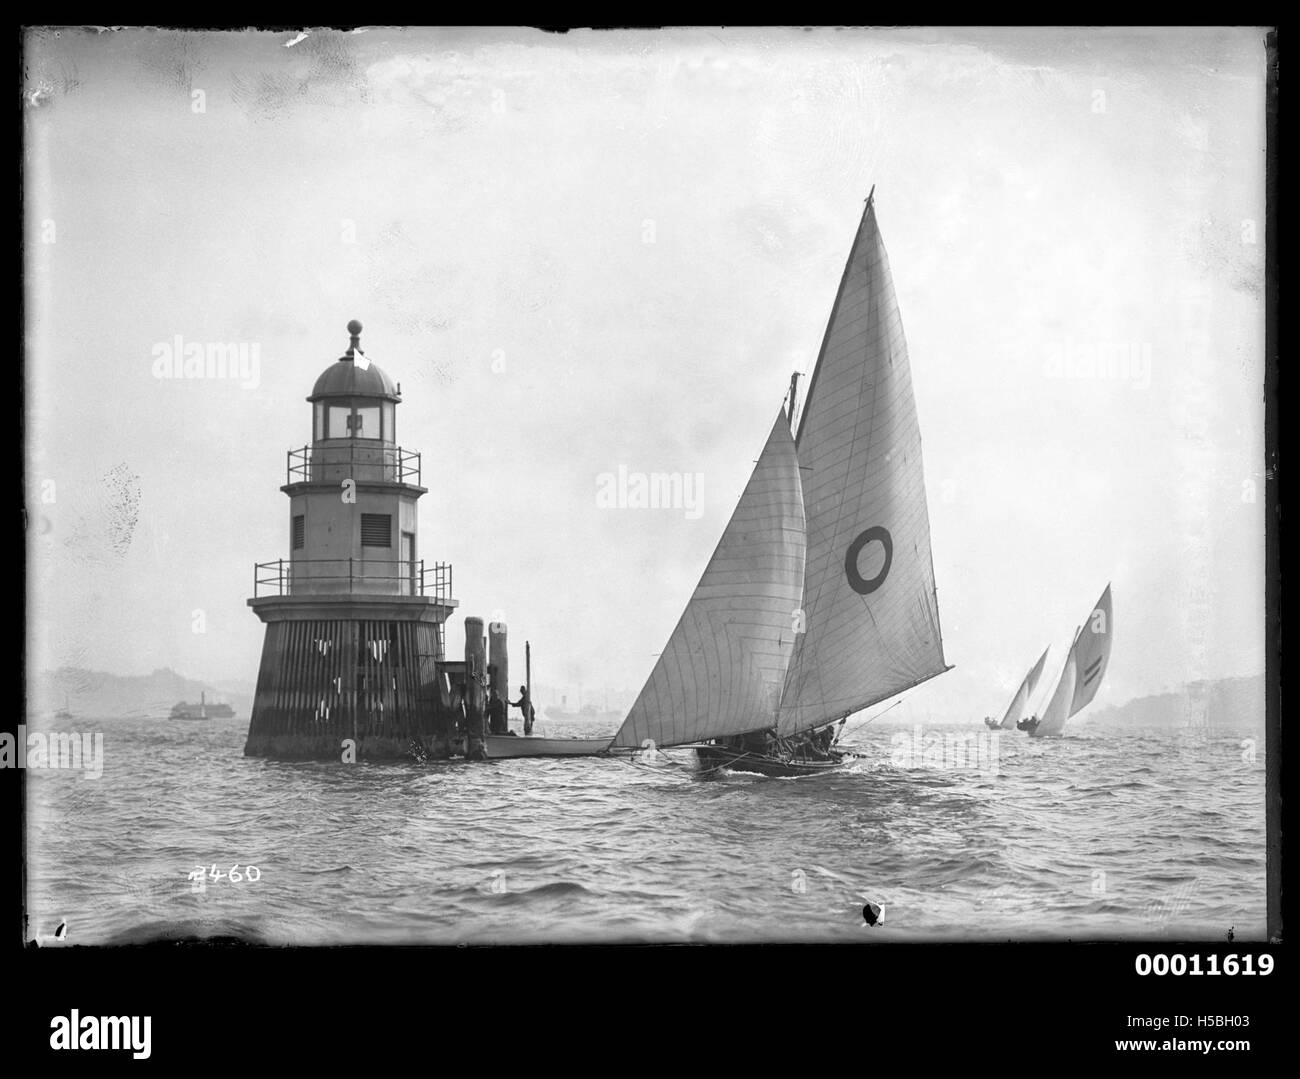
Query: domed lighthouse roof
(353, 375)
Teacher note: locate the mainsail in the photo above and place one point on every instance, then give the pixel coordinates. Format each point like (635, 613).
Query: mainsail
(1092, 652)
(722, 669)
(1016, 709)
(871, 615)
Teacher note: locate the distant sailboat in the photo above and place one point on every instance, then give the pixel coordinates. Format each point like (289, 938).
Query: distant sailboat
(65, 712)
(1085, 666)
(1016, 709)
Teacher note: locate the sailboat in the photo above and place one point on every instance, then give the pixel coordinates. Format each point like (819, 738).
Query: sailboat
(1020, 700)
(867, 628)
(819, 600)
(1083, 670)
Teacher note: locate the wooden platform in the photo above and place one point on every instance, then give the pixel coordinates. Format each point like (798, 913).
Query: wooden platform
(505, 746)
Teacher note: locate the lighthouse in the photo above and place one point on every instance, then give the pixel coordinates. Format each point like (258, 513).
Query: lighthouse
(354, 654)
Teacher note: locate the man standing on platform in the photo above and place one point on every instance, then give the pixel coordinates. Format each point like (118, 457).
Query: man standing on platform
(525, 705)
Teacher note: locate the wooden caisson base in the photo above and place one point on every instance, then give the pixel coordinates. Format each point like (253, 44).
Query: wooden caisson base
(326, 682)
(295, 747)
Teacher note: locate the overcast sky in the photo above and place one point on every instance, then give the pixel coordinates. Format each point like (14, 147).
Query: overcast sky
(585, 251)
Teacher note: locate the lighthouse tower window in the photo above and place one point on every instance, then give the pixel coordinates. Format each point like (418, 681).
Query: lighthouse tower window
(376, 530)
(299, 531)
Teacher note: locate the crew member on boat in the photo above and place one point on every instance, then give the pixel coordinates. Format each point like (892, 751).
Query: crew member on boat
(525, 705)
(809, 745)
(821, 742)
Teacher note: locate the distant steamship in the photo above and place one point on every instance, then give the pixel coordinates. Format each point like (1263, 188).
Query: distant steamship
(587, 711)
(202, 710)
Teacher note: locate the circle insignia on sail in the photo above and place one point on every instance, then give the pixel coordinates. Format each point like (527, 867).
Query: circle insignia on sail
(856, 581)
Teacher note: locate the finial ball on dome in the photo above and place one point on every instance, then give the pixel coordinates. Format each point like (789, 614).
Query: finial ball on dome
(354, 327)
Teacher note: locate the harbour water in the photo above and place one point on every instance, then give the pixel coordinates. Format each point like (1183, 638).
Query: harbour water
(1109, 833)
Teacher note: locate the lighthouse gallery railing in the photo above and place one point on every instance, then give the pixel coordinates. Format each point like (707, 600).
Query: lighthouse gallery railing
(361, 460)
(366, 576)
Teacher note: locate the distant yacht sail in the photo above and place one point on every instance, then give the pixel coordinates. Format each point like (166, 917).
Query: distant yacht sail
(870, 607)
(722, 669)
(1085, 664)
(1016, 709)
(1092, 653)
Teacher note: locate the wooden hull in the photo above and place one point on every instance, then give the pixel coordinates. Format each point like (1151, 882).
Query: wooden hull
(717, 757)
(505, 746)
